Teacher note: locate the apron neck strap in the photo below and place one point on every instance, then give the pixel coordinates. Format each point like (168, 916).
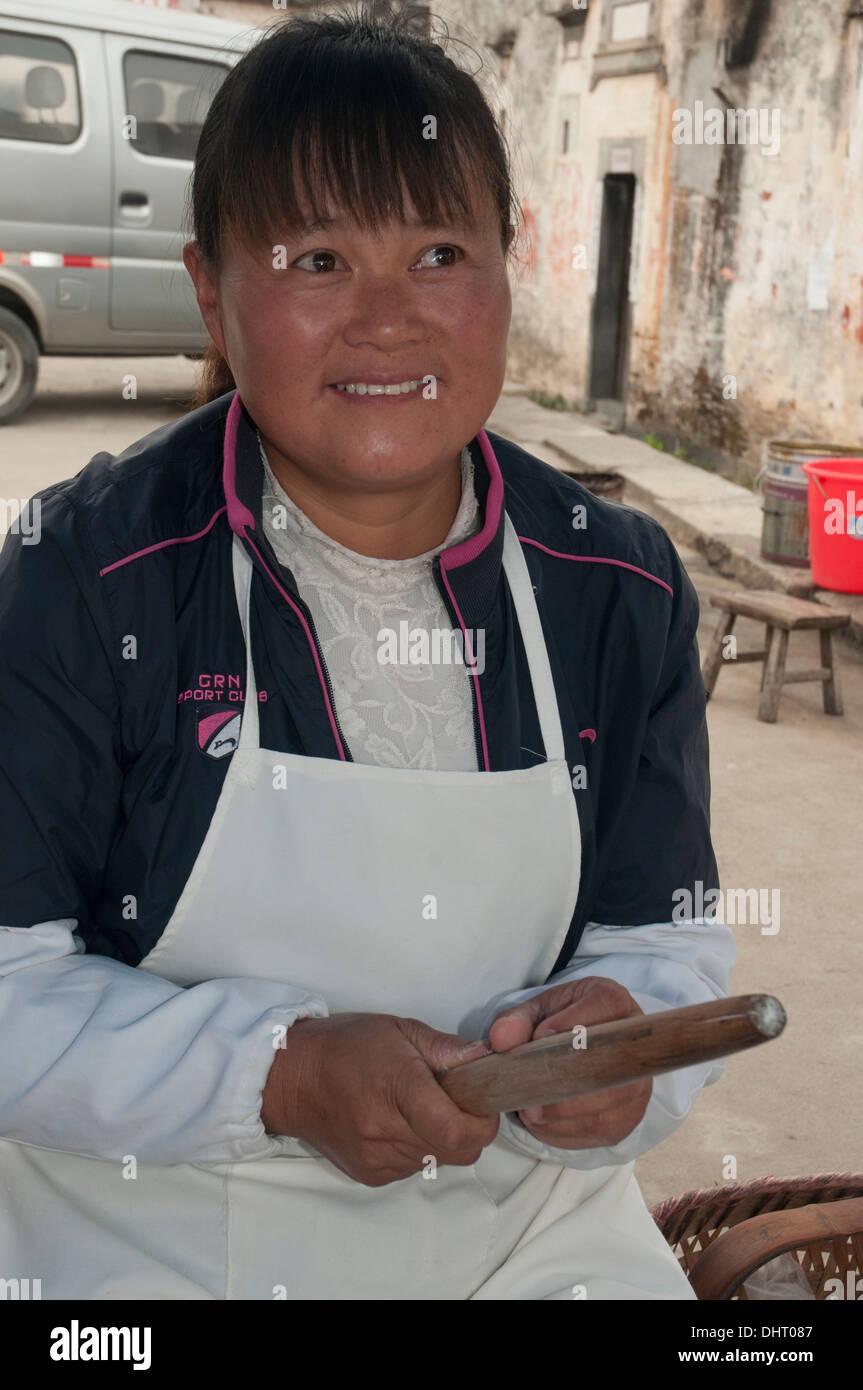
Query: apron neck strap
(545, 696)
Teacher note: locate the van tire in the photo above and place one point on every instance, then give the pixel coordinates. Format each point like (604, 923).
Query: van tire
(19, 356)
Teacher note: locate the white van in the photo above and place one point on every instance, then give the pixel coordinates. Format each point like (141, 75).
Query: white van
(101, 105)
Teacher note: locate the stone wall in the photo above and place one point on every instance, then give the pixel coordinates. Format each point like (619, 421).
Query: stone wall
(747, 312)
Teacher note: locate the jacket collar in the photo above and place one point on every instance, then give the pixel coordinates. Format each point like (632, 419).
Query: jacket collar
(471, 568)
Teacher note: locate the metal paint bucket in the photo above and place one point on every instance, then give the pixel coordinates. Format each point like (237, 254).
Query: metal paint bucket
(785, 492)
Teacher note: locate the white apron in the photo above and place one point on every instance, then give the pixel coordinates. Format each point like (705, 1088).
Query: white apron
(320, 877)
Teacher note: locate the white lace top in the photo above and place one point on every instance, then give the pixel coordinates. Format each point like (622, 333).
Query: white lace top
(392, 710)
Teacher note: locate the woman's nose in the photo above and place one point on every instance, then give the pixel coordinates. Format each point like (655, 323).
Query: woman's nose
(384, 313)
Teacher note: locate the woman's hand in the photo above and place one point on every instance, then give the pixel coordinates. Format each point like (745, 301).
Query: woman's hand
(585, 1122)
(360, 1089)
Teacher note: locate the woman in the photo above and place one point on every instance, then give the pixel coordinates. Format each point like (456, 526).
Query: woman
(267, 874)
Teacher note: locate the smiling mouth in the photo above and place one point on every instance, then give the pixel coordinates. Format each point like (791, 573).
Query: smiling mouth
(375, 388)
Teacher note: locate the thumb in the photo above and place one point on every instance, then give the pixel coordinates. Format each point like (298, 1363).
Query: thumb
(443, 1051)
(515, 1026)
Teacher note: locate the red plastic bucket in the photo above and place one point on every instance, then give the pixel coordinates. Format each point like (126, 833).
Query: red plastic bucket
(836, 523)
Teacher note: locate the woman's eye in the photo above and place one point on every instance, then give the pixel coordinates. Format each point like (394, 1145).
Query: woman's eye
(317, 257)
(446, 250)
(320, 262)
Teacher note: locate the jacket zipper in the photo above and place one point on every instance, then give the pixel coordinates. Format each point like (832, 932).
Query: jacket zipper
(480, 761)
(308, 617)
(329, 685)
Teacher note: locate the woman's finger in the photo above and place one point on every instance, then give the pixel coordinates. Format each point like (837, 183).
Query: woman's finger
(511, 1030)
(589, 1109)
(596, 997)
(586, 1012)
(579, 1124)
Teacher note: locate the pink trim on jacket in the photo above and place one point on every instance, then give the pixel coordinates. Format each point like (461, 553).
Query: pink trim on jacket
(599, 560)
(321, 677)
(160, 545)
(238, 514)
(468, 550)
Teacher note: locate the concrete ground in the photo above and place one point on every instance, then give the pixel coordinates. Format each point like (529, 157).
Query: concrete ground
(786, 814)
(787, 798)
(79, 409)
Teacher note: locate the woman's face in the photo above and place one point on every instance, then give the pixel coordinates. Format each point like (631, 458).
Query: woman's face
(339, 306)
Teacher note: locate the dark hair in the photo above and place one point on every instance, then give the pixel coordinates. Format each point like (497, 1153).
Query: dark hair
(336, 106)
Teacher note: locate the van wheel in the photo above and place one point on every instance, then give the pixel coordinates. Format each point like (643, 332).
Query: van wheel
(19, 365)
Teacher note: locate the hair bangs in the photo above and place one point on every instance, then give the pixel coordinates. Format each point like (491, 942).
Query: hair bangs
(350, 126)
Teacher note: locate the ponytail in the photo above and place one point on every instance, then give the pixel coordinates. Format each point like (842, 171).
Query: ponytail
(215, 378)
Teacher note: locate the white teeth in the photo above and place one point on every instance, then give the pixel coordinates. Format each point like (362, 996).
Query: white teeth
(362, 388)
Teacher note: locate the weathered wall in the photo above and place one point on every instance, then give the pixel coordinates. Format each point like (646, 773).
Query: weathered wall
(750, 264)
(537, 90)
(765, 275)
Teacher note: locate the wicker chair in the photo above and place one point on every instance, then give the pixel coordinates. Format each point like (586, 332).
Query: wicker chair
(722, 1235)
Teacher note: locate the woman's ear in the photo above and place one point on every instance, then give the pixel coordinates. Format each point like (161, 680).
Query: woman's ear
(207, 291)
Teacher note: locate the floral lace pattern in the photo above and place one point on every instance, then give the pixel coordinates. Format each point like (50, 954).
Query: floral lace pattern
(392, 713)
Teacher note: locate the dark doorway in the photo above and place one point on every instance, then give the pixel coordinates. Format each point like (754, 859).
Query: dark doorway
(610, 323)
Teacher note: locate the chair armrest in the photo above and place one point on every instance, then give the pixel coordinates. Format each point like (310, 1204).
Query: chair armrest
(736, 1253)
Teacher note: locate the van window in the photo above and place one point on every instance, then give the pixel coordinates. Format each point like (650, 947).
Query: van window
(168, 100)
(39, 96)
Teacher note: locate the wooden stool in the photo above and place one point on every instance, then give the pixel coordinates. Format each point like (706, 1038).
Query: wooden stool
(782, 614)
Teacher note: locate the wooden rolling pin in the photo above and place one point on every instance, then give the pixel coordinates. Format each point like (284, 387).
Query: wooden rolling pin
(604, 1055)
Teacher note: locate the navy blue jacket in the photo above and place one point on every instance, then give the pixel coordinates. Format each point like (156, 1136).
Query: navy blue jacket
(120, 636)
